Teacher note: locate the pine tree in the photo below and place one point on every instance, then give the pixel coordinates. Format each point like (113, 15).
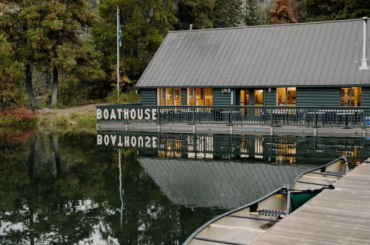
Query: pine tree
(48, 32)
(282, 13)
(144, 26)
(196, 12)
(251, 12)
(11, 75)
(227, 13)
(15, 28)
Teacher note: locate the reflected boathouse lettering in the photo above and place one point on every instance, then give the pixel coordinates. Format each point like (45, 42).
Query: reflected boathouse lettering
(278, 149)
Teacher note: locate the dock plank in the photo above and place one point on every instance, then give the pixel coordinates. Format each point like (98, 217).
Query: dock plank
(332, 217)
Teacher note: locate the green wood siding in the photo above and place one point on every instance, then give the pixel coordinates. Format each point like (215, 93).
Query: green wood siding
(365, 97)
(184, 99)
(318, 96)
(251, 97)
(269, 97)
(148, 97)
(220, 98)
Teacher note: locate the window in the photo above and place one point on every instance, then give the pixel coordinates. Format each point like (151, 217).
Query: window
(286, 96)
(258, 97)
(177, 96)
(350, 96)
(200, 96)
(191, 96)
(169, 96)
(209, 96)
(161, 96)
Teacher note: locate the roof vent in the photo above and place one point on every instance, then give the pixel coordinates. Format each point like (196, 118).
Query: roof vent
(191, 27)
(364, 65)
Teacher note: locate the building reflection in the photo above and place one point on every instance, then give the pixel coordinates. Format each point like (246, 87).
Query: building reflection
(274, 149)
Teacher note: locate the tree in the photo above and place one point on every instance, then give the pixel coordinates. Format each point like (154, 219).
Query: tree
(251, 12)
(15, 28)
(11, 75)
(53, 30)
(299, 10)
(282, 13)
(226, 13)
(320, 10)
(196, 12)
(144, 24)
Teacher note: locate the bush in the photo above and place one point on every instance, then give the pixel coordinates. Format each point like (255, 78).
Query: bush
(17, 117)
(127, 98)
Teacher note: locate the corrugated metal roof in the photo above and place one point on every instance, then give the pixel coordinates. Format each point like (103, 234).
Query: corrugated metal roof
(309, 54)
(226, 184)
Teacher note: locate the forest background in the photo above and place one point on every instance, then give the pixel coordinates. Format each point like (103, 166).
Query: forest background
(61, 53)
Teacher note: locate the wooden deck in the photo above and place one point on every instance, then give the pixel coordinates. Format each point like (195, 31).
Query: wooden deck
(332, 217)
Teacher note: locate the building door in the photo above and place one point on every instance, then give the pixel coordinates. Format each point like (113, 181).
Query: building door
(258, 101)
(244, 101)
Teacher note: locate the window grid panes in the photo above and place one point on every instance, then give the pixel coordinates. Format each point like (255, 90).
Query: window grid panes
(286, 96)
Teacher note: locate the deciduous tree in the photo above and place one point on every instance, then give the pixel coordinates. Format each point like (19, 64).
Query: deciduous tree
(282, 13)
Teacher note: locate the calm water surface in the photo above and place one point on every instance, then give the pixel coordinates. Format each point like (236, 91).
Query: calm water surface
(119, 188)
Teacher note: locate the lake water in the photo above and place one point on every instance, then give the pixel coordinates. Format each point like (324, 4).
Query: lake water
(143, 188)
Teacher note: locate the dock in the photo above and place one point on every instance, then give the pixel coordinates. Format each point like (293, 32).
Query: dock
(223, 129)
(340, 216)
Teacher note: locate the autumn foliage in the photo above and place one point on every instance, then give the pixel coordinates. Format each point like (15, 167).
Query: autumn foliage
(19, 114)
(282, 13)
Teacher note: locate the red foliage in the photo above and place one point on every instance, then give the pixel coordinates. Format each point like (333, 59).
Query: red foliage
(282, 13)
(18, 114)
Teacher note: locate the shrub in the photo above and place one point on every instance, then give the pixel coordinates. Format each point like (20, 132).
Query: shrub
(17, 117)
(128, 98)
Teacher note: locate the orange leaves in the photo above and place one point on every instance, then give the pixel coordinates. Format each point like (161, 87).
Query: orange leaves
(21, 114)
(282, 12)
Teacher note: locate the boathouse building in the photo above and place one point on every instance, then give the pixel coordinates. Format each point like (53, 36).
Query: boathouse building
(309, 64)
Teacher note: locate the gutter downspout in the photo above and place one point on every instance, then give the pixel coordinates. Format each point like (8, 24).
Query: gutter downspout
(364, 65)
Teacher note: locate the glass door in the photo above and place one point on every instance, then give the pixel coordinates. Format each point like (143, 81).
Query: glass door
(244, 101)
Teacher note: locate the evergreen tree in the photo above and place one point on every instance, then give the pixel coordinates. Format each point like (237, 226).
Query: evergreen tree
(282, 13)
(227, 13)
(48, 32)
(15, 28)
(11, 75)
(251, 12)
(320, 10)
(299, 10)
(144, 25)
(54, 29)
(196, 12)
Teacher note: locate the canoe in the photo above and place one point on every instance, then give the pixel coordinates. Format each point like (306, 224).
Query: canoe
(312, 182)
(244, 224)
(323, 176)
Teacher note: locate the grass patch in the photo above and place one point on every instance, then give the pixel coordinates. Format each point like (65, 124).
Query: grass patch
(73, 122)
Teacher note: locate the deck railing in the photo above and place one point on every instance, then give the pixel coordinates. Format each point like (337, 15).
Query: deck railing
(274, 116)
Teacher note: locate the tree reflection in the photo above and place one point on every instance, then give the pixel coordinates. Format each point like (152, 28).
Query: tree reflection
(61, 189)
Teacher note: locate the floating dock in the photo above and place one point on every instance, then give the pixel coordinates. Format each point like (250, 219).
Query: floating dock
(340, 216)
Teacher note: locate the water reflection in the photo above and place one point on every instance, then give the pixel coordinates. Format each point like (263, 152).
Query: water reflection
(251, 148)
(118, 188)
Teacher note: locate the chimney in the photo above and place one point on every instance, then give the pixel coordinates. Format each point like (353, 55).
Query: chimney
(364, 65)
(191, 27)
